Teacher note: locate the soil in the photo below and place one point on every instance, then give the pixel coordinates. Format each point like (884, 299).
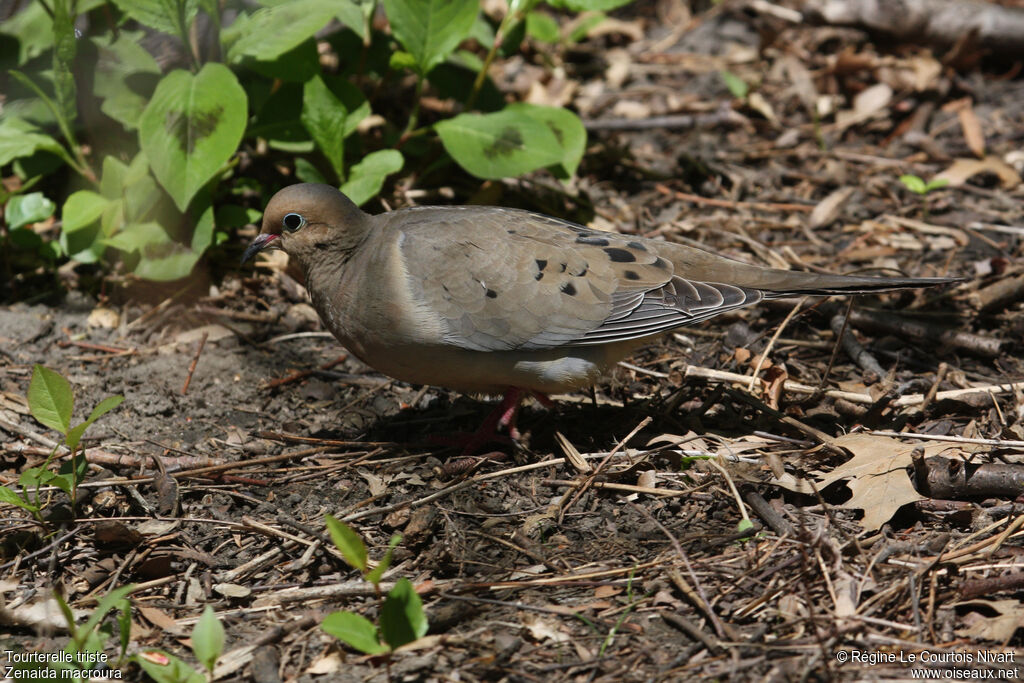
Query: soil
(531, 571)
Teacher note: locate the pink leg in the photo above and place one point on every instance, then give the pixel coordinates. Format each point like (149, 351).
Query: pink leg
(502, 417)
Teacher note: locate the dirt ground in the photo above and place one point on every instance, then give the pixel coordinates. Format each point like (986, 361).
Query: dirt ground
(629, 560)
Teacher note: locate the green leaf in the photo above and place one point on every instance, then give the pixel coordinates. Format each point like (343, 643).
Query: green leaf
(170, 16)
(307, 172)
(356, 14)
(348, 542)
(123, 70)
(161, 258)
(587, 22)
(297, 65)
(935, 184)
(499, 145)
(567, 128)
(354, 629)
(64, 50)
(271, 31)
(105, 406)
(914, 184)
(324, 116)
(174, 671)
(23, 209)
(208, 639)
(191, 128)
(401, 616)
(585, 5)
(430, 29)
(378, 571)
(736, 85)
(33, 30)
(9, 497)
(543, 27)
(366, 178)
(50, 399)
(20, 139)
(82, 209)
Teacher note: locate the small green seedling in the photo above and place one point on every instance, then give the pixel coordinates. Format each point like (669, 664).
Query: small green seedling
(84, 658)
(917, 185)
(402, 619)
(736, 85)
(207, 646)
(50, 400)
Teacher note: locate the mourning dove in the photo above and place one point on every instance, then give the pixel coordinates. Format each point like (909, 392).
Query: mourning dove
(492, 300)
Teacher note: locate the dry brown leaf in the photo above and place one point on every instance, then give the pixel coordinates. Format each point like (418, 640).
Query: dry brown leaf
(973, 134)
(1000, 628)
(877, 476)
(964, 169)
(827, 210)
(867, 104)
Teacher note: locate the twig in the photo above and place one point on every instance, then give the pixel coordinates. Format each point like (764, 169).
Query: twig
(195, 361)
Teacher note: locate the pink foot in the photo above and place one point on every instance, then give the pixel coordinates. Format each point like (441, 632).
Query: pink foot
(503, 417)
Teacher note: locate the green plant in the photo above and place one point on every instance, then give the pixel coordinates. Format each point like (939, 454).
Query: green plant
(51, 402)
(402, 619)
(207, 646)
(85, 652)
(150, 154)
(918, 186)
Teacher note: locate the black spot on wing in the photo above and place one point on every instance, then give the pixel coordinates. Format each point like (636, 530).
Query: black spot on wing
(593, 240)
(639, 246)
(542, 263)
(491, 294)
(568, 288)
(631, 275)
(620, 255)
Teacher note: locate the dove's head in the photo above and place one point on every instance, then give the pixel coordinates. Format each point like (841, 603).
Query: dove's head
(310, 222)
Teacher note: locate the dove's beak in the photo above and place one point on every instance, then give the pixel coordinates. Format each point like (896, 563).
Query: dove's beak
(262, 241)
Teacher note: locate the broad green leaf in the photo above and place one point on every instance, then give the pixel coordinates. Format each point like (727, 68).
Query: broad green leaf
(499, 145)
(914, 184)
(170, 16)
(297, 65)
(348, 542)
(543, 27)
(191, 128)
(82, 209)
(32, 28)
(105, 406)
(173, 671)
(324, 116)
(567, 129)
(307, 172)
(935, 184)
(401, 616)
(123, 70)
(366, 178)
(271, 31)
(22, 209)
(9, 497)
(354, 629)
(203, 237)
(356, 14)
(20, 139)
(736, 85)
(208, 639)
(161, 258)
(50, 399)
(430, 29)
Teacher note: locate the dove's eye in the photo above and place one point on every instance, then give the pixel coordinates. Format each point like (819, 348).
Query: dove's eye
(292, 221)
